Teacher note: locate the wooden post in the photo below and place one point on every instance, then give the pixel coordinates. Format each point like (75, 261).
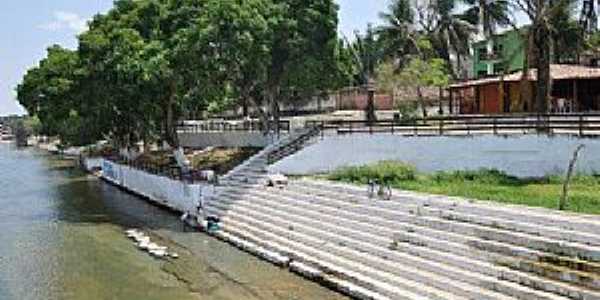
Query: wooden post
(562, 204)
(477, 99)
(576, 94)
(451, 101)
(580, 125)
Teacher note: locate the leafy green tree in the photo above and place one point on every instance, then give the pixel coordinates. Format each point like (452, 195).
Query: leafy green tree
(302, 52)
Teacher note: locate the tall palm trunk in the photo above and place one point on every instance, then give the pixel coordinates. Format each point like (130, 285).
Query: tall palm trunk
(541, 34)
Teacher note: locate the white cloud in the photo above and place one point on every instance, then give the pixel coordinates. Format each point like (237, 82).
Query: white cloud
(66, 21)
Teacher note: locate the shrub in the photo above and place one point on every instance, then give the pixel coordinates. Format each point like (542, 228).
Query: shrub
(490, 176)
(384, 171)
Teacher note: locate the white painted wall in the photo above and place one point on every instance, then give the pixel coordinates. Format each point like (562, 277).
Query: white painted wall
(92, 164)
(523, 156)
(175, 194)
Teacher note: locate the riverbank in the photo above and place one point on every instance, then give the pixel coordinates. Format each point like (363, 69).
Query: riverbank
(489, 185)
(63, 238)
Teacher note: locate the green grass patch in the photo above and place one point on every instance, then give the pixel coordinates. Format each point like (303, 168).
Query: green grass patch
(485, 184)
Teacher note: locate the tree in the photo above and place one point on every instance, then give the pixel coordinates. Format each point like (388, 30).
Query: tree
(488, 15)
(398, 34)
(303, 45)
(542, 14)
(51, 93)
(422, 70)
(366, 54)
(449, 32)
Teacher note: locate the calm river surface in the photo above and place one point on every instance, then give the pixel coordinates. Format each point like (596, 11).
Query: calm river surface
(61, 237)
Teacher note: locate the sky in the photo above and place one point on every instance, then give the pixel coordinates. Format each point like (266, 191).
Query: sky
(28, 27)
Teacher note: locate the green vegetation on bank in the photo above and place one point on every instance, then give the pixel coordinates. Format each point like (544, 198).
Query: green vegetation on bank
(483, 184)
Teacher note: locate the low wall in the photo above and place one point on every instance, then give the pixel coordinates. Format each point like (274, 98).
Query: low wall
(174, 194)
(92, 164)
(223, 139)
(522, 156)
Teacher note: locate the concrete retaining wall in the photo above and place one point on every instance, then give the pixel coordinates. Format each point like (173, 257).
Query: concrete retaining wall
(523, 156)
(92, 164)
(223, 139)
(174, 194)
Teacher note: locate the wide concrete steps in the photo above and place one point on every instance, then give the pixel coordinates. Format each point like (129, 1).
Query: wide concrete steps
(495, 229)
(324, 256)
(569, 222)
(414, 246)
(456, 276)
(376, 241)
(417, 234)
(477, 261)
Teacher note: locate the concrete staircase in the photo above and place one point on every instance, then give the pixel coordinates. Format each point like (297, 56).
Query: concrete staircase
(412, 247)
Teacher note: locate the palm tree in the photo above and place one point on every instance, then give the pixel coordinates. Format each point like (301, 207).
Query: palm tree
(544, 16)
(397, 34)
(366, 53)
(488, 15)
(450, 33)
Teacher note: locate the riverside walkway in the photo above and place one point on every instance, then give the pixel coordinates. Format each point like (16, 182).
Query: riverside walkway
(414, 246)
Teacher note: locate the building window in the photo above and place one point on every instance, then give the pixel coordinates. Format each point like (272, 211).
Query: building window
(498, 68)
(498, 48)
(482, 53)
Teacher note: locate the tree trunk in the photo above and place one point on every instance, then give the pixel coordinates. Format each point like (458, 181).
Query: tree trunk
(422, 101)
(170, 126)
(562, 204)
(525, 86)
(541, 35)
(441, 99)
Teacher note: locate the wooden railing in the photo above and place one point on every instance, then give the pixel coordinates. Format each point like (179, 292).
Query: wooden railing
(227, 126)
(573, 124)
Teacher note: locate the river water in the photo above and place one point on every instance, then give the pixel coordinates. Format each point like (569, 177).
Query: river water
(61, 237)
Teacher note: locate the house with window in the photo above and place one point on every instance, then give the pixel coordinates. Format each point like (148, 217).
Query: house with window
(575, 88)
(507, 55)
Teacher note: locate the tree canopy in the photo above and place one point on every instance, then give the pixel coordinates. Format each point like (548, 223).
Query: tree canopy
(146, 64)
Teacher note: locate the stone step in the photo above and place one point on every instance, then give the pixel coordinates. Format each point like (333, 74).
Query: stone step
(456, 212)
(378, 218)
(347, 288)
(339, 228)
(541, 216)
(317, 252)
(377, 226)
(557, 247)
(261, 248)
(412, 217)
(330, 264)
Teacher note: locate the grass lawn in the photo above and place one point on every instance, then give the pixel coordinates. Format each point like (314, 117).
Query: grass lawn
(492, 185)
